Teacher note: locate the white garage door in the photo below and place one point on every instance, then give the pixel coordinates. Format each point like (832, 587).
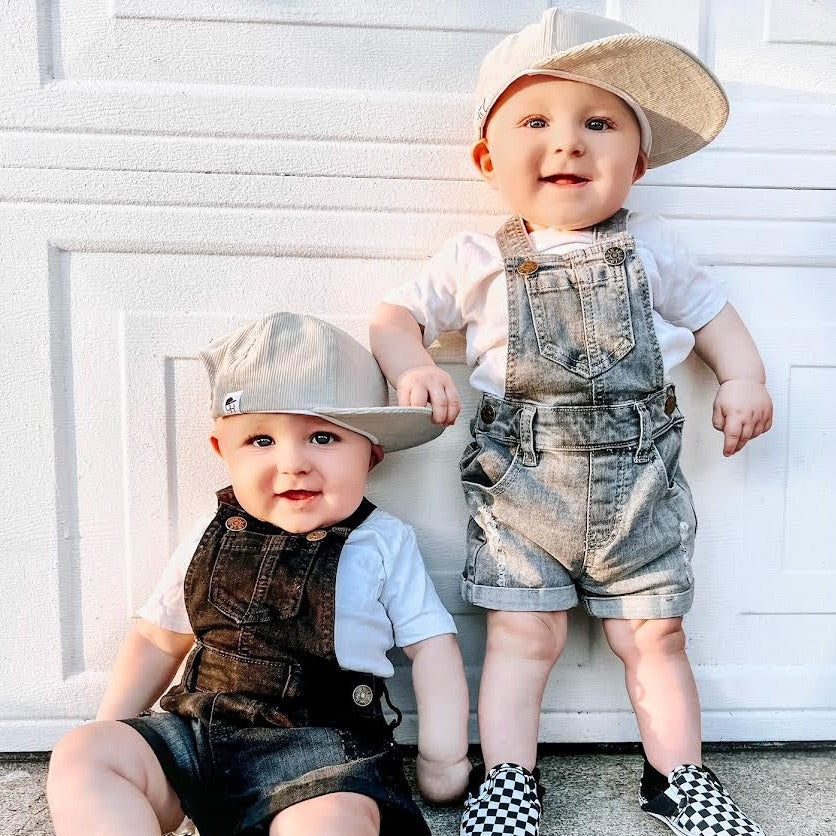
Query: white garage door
(170, 168)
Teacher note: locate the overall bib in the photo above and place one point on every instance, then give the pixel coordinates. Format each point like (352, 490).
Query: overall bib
(270, 717)
(573, 481)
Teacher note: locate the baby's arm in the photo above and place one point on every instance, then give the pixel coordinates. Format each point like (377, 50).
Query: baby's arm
(742, 407)
(146, 663)
(425, 631)
(397, 344)
(441, 693)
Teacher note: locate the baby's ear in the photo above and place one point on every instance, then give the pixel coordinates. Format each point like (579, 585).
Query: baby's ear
(641, 166)
(481, 156)
(375, 457)
(216, 445)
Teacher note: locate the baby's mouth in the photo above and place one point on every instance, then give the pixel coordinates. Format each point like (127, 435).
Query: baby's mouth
(565, 179)
(297, 495)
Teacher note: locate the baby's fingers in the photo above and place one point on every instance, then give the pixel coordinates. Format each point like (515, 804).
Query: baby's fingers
(746, 434)
(440, 403)
(413, 394)
(737, 431)
(732, 429)
(718, 417)
(454, 405)
(762, 425)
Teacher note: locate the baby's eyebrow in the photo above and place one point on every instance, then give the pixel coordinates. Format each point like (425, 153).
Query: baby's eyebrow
(257, 430)
(326, 428)
(247, 437)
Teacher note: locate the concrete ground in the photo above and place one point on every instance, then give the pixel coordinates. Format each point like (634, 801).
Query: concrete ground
(589, 793)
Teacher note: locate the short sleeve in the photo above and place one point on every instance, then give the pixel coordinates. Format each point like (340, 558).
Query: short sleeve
(408, 593)
(433, 297)
(166, 605)
(686, 295)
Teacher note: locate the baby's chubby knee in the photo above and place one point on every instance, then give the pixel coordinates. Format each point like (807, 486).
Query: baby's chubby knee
(77, 753)
(335, 813)
(71, 750)
(539, 636)
(637, 638)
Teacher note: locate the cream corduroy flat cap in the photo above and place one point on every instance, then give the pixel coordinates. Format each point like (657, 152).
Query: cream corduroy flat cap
(681, 105)
(288, 362)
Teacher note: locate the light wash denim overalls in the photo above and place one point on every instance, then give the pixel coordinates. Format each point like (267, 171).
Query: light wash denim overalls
(573, 481)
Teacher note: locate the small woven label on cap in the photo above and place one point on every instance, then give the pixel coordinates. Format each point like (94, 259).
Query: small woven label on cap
(232, 403)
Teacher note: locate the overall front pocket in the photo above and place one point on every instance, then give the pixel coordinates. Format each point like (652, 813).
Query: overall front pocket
(255, 580)
(666, 450)
(582, 316)
(489, 464)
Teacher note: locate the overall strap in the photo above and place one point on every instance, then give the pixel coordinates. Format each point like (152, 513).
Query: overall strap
(614, 225)
(513, 240)
(346, 526)
(228, 506)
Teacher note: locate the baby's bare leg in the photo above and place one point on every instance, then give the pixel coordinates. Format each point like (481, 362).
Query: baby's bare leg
(335, 814)
(521, 650)
(104, 779)
(661, 687)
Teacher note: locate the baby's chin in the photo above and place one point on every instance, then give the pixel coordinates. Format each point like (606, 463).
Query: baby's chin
(296, 526)
(292, 523)
(567, 222)
(564, 226)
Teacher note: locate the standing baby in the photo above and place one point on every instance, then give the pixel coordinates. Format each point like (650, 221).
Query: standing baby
(575, 313)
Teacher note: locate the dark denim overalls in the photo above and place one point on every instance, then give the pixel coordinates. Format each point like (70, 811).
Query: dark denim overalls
(264, 716)
(573, 480)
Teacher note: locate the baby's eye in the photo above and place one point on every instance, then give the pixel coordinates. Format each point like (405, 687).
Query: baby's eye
(598, 123)
(535, 122)
(261, 441)
(323, 438)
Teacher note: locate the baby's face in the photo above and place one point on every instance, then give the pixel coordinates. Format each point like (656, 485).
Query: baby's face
(297, 472)
(563, 154)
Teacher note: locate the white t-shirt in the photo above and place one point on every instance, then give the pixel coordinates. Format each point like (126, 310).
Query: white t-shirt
(384, 595)
(462, 287)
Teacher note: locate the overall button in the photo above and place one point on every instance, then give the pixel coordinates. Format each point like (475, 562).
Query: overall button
(236, 523)
(488, 413)
(614, 256)
(670, 404)
(362, 695)
(315, 535)
(527, 268)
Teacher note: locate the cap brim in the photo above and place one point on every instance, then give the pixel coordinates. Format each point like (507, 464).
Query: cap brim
(683, 101)
(395, 427)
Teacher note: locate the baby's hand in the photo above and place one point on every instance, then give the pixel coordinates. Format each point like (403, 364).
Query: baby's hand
(421, 385)
(742, 411)
(442, 782)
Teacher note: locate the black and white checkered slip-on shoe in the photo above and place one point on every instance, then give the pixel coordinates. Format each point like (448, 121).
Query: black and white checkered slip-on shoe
(693, 802)
(506, 803)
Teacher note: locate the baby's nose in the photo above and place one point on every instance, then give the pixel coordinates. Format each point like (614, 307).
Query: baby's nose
(292, 459)
(572, 147)
(568, 141)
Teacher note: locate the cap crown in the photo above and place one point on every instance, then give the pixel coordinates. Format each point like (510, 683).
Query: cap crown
(557, 31)
(288, 362)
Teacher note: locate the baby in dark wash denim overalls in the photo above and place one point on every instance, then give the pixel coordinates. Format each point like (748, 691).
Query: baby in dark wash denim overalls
(574, 314)
(288, 598)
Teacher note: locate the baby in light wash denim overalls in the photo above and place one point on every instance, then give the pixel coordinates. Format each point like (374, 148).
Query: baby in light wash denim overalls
(574, 315)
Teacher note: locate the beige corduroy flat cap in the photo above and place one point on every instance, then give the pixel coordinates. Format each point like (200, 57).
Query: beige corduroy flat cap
(288, 362)
(679, 103)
